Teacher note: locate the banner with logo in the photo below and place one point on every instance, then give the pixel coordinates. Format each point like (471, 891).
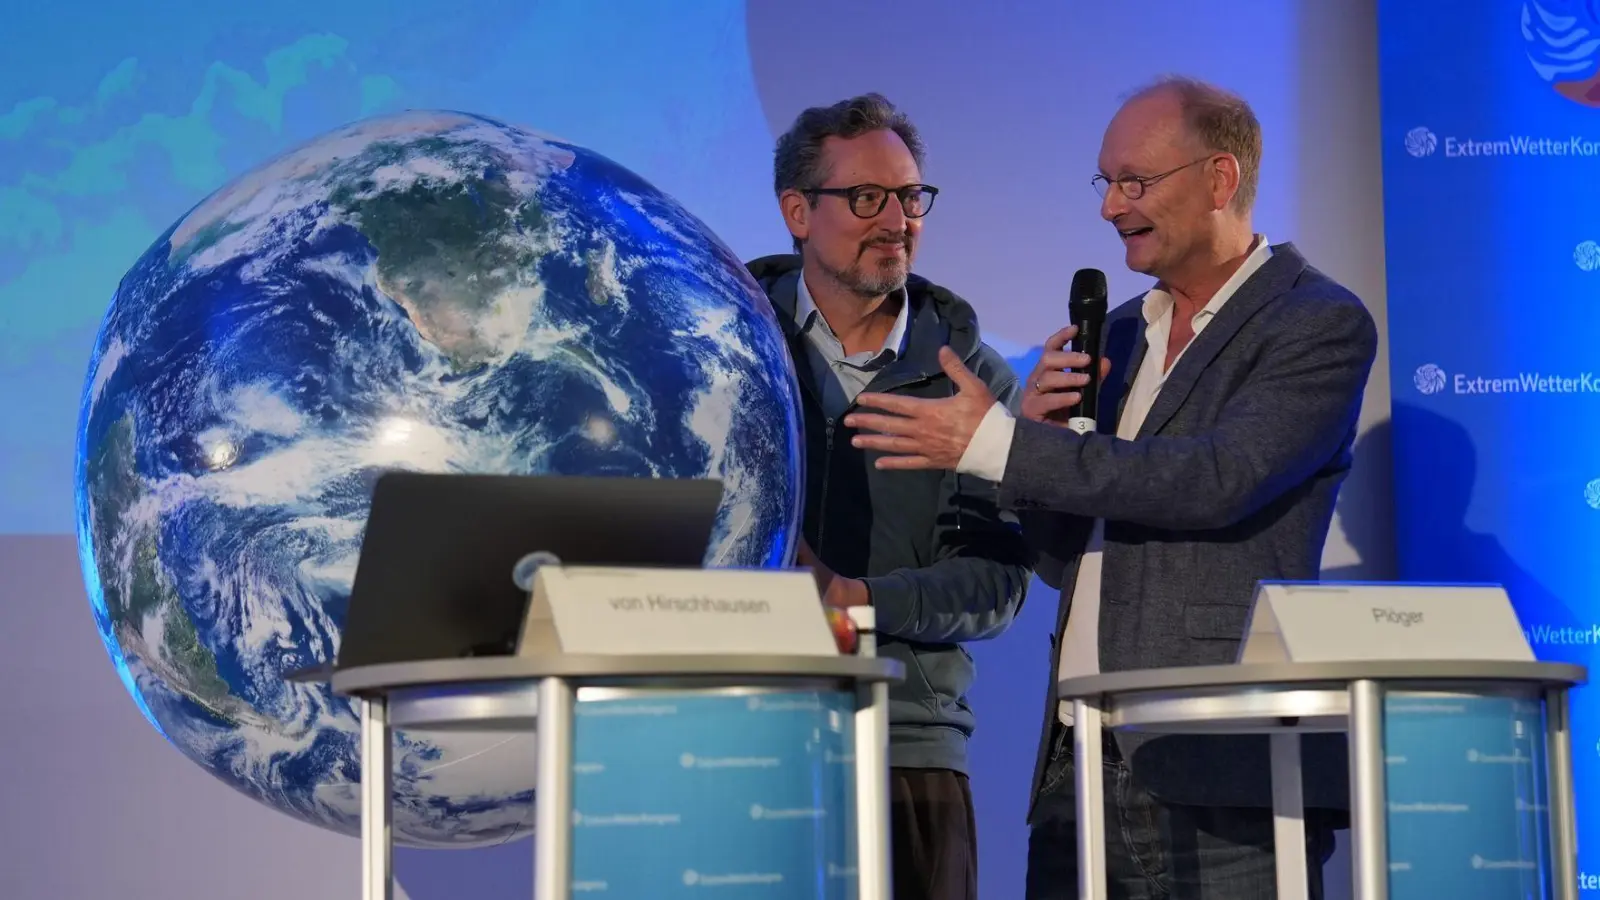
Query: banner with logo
(1466, 784)
(1491, 162)
(715, 793)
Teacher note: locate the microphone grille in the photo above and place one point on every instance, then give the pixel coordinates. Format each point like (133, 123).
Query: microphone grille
(1088, 285)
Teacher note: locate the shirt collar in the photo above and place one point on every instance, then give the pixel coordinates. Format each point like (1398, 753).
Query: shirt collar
(1157, 302)
(805, 311)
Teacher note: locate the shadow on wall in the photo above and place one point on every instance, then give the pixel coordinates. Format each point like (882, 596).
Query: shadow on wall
(1371, 541)
(1435, 541)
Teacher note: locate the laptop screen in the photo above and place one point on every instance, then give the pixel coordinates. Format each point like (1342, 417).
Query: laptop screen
(446, 559)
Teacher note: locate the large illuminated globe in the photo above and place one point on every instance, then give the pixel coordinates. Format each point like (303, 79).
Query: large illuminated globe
(433, 292)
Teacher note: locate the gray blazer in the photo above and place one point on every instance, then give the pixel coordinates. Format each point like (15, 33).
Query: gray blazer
(1231, 481)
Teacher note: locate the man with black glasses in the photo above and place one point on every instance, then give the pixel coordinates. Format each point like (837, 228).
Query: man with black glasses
(932, 553)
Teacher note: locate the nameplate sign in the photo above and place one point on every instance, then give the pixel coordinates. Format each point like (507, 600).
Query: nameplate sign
(1333, 622)
(596, 609)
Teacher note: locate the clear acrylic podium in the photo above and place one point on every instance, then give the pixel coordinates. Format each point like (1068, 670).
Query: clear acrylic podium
(539, 693)
(1285, 700)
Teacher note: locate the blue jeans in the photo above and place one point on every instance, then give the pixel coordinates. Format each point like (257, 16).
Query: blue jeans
(1155, 849)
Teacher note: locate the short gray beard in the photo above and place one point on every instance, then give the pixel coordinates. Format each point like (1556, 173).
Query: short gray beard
(868, 285)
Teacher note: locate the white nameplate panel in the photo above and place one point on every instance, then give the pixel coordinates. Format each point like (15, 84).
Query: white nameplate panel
(598, 609)
(1333, 622)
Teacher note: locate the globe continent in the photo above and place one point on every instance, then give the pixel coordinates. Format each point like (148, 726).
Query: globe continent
(432, 291)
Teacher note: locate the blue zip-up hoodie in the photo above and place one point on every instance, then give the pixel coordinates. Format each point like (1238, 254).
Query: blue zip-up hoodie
(942, 562)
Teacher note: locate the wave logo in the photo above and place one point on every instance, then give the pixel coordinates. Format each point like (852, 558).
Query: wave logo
(1421, 142)
(1562, 40)
(1430, 379)
(1591, 494)
(1587, 256)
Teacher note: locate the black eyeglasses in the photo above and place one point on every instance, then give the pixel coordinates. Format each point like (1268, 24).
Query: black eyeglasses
(867, 200)
(1133, 186)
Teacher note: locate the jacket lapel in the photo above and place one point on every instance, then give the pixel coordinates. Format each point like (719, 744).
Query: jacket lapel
(785, 299)
(1125, 347)
(926, 334)
(1267, 284)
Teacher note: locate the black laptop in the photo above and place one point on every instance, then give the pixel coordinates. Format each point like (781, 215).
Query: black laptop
(443, 571)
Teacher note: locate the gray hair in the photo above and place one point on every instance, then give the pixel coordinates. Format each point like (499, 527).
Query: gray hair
(1223, 123)
(797, 162)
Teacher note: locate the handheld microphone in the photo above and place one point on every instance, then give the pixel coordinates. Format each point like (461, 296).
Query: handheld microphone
(1086, 304)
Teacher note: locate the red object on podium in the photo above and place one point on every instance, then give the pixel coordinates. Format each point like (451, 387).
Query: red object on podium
(844, 630)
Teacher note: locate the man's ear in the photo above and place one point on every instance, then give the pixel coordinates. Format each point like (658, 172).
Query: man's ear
(1225, 177)
(796, 213)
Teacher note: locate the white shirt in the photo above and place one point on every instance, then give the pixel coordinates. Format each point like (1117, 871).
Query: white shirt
(986, 457)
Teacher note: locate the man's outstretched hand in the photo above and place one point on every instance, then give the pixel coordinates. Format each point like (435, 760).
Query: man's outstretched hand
(924, 433)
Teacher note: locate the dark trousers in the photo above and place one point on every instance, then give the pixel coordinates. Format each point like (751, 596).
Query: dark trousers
(933, 837)
(1159, 850)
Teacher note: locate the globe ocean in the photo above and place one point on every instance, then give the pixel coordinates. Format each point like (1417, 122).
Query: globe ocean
(431, 291)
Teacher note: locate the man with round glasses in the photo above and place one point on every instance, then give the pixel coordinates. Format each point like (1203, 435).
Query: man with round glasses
(1226, 421)
(932, 553)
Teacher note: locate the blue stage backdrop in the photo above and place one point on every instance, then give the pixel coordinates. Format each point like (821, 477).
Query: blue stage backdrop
(1491, 156)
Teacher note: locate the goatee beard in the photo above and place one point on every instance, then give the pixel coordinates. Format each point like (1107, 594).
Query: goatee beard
(877, 285)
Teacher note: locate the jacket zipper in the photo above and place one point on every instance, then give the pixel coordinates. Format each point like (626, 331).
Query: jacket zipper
(828, 432)
(822, 502)
(827, 446)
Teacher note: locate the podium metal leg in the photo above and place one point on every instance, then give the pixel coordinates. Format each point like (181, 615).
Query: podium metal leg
(872, 792)
(1563, 819)
(377, 787)
(1289, 817)
(1090, 783)
(552, 796)
(1369, 812)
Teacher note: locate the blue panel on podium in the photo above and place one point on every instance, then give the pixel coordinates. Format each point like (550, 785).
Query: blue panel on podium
(1467, 797)
(740, 794)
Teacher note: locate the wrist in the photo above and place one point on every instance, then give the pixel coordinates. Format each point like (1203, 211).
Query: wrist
(847, 592)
